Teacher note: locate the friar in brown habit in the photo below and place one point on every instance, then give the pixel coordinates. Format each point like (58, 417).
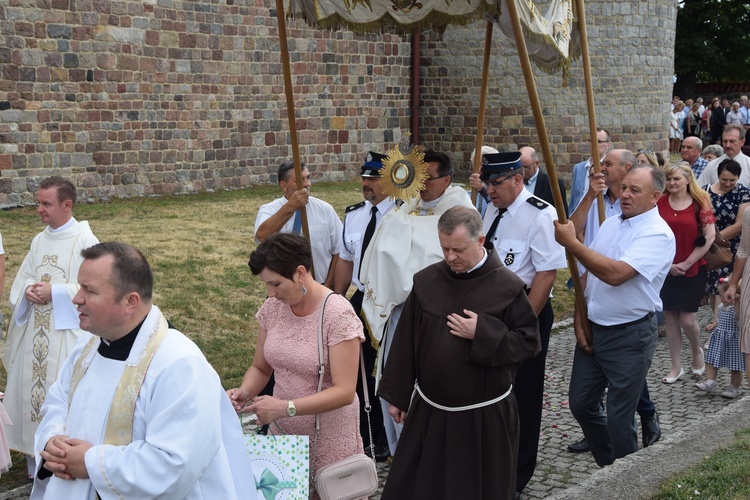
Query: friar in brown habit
(464, 330)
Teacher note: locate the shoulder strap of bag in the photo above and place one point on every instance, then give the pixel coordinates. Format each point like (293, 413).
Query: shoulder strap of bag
(321, 360)
(321, 372)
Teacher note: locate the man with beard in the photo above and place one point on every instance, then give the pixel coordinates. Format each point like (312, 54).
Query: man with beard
(360, 222)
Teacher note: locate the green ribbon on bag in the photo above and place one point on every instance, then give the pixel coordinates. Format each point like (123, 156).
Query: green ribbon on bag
(270, 485)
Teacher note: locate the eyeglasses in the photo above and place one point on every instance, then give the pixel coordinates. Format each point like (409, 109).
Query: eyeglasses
(602, 142)
(435, 178)
(647, 151)
(496, 184)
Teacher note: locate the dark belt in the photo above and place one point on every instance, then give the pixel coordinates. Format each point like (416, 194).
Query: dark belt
(624, 325)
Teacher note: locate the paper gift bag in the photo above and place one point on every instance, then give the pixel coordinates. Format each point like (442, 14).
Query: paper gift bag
(281, 465)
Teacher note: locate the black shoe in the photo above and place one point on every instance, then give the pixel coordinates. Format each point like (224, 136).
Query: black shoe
(382, 453)
(650, 429)
(581, 446)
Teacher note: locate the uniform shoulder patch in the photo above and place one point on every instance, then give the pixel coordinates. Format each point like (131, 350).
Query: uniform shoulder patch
(351, 208)
(537, 202)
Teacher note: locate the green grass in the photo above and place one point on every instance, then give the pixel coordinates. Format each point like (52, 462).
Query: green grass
(725, 474)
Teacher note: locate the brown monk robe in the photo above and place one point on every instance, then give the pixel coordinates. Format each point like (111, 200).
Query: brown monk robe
(463, 454)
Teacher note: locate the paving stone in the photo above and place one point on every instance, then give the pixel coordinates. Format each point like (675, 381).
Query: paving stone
(679, 406)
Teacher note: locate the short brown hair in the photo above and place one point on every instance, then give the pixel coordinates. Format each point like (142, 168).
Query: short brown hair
(65, 189)
(130, 270)
(461, 216)
(281, 253)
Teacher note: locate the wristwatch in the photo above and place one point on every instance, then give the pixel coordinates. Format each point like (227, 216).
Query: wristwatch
(291, 410)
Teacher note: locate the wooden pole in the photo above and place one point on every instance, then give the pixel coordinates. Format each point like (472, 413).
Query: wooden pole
(541, 130)
(291, 115)
(590, 101)
(482, 101)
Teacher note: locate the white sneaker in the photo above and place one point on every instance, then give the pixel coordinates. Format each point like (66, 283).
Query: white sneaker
(731, 391)
(708, 386)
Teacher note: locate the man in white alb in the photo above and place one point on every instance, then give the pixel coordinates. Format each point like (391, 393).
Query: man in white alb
(43, 325)
(137, 411)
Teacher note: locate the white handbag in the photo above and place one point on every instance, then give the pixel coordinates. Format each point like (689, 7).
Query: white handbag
(355, 476)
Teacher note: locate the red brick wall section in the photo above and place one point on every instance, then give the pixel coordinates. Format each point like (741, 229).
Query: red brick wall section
(143, 97)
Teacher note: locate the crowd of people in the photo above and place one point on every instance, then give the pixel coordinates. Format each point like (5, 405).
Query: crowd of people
(450, 317)
(692, 118)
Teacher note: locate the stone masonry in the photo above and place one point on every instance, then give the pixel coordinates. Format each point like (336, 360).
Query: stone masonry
(134, 98)
(138, 98)
(631, 48)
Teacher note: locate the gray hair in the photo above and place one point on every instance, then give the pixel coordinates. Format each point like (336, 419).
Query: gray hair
(658, 177)
(627, 158)
(698, 142)
(461, 216)
(713, 149)
(734, 126)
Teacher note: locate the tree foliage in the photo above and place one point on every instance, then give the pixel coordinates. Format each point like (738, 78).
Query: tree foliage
(712, 42)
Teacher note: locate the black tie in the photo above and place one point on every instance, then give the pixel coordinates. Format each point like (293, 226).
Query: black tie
(368, 236)
(488, 237)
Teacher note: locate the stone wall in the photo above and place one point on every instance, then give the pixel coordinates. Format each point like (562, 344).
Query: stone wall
(632, 54)
(145, 97)
(171, 96)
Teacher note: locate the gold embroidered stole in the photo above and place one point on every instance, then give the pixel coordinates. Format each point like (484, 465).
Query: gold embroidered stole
(119, 429)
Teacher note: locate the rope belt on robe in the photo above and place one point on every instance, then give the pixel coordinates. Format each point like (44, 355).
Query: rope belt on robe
(417, 389)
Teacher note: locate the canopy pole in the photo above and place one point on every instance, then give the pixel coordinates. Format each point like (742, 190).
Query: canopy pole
(541, 130)
(595, 160)
(482, 100)
(291, 115)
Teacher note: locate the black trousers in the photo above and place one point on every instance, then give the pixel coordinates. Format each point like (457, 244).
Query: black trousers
(529, 391)
(369, 353)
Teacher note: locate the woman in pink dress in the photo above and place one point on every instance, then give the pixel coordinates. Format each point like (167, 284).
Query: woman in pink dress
(288, 347)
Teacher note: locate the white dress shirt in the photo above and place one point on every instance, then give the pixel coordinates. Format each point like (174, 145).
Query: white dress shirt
(525, 237)
(633, 241)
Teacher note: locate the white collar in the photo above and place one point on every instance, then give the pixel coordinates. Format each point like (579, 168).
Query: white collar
(65, 226)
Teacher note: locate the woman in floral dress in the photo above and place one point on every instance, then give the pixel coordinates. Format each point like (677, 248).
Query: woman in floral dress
(727, 198)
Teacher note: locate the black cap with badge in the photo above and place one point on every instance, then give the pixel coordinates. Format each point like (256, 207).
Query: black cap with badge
(373, 166)
(495, 165)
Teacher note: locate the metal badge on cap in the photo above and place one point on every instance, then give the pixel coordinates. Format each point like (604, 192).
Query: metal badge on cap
(373, 165)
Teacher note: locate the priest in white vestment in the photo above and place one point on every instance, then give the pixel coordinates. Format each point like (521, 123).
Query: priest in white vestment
(403, 244)
(137, 411)
(43, 325)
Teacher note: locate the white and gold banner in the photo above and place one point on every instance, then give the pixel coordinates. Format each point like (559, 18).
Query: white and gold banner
(397, 16)
(552, 38)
